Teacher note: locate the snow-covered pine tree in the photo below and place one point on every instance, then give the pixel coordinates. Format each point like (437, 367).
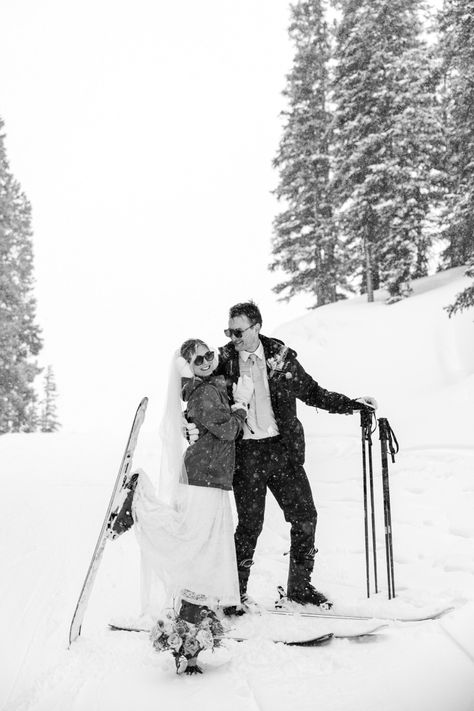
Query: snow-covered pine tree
(305, 245)
(388, 141)
(19, 335)
(457, 43)
(465, 298)
(49, 421)
(32, 418)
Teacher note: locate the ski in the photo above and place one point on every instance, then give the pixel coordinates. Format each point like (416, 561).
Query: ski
(106, 530)
(128, 628)
(327, 613)
(306, 642)
(335, 616)
(316, 641)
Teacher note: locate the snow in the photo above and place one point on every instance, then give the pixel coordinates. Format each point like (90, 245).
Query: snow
(55, 487)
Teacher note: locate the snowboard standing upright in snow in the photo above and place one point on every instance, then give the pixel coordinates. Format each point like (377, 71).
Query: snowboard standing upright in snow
(111, 526)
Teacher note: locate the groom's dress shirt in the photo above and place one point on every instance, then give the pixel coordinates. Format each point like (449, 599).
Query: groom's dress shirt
(261, 421)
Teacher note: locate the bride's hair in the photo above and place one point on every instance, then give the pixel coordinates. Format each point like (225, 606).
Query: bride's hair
(189, 347)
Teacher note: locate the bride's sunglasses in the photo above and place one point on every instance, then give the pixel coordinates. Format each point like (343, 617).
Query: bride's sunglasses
(208, 357)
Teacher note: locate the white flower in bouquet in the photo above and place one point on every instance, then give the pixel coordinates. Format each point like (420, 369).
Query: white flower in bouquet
(205, 639)
(191, 646)
(175, 641)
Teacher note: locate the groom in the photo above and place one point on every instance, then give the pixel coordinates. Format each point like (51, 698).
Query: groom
(271, 452)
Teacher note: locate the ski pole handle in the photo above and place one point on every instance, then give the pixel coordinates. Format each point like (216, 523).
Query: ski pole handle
(387, 434)
(366, 418)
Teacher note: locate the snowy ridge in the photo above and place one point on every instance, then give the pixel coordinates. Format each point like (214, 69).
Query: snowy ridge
(55, 487)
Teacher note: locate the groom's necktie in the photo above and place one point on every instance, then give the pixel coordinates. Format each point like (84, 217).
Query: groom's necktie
(263, 407)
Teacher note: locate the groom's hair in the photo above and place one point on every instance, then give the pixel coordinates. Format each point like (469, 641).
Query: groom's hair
(189, 348)
(246, 308)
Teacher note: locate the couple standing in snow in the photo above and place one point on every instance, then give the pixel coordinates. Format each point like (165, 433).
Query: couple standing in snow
(241, 402)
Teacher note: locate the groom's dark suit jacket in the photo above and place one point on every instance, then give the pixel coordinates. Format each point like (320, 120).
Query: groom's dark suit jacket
(287, 381)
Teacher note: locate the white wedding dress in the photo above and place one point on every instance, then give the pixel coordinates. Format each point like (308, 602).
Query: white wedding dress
(189, 547)
(185, 533)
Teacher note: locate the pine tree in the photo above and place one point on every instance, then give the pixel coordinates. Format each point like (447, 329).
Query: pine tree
(388, 142)
(465, 298)
(48, 421)
(32, 418)
(457, 43)
(305, 244)
(19, 335)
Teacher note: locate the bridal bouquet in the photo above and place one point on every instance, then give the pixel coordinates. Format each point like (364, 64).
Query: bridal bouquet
(185, 640)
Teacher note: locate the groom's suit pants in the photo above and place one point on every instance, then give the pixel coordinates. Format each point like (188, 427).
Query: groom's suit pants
(262, 464)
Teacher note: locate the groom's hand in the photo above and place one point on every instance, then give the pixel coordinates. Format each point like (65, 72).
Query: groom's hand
(368, 401)
(190, 431)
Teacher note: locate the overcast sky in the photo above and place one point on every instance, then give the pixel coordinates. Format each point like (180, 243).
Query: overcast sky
(143, 133)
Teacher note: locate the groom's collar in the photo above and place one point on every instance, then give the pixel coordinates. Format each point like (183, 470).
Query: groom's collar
(259, 352)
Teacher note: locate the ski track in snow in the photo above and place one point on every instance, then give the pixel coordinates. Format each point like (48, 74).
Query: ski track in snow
(56, 487)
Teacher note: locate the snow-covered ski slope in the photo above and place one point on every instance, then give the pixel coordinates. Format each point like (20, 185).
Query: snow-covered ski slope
(420, 366)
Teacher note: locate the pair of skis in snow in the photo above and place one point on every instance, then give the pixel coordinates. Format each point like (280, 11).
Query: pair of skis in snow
(306, 641)
(356, 626)
(117, 498)
(365, 626)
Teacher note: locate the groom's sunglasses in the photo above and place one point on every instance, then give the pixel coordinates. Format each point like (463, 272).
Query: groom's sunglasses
(237, 332)
(199, 360)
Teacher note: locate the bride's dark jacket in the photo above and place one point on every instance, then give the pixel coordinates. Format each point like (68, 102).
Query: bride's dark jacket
(210, 460)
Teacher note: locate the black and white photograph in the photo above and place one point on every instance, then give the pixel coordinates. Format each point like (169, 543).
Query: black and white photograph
(237, 355)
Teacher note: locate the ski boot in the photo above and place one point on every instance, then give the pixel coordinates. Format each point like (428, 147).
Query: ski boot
(306, 595)
(247, 604)
(309, 596)
(191, 612)
(299, 589)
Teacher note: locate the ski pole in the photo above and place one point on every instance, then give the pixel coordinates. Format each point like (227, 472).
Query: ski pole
(394, 448)
(366, 423)
(387, 439)
(372, 503)
(364, 481)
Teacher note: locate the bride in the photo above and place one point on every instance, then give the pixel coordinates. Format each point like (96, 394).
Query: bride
(186, 534)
